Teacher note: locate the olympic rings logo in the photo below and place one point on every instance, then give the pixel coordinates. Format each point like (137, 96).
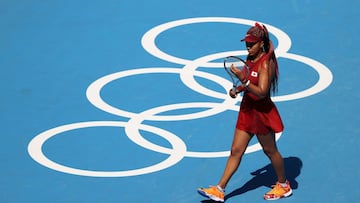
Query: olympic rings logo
(187, 75)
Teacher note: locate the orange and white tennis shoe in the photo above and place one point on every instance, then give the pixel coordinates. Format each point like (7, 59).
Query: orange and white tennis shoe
(278, 191)
(213, 192)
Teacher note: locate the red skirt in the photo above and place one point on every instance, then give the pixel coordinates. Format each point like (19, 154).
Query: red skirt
(259, 116)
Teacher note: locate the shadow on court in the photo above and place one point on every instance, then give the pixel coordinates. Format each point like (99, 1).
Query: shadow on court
(265, 176)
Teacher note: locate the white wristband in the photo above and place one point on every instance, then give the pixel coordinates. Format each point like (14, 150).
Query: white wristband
(247, 83)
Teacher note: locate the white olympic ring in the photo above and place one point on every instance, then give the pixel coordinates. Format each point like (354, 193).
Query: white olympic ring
(133, 132)
(149, 38)
(178, 148)
(93, 94)
(325, 76)
(35, 145)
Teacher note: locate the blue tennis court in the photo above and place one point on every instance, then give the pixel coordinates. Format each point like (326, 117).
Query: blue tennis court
(126, 101)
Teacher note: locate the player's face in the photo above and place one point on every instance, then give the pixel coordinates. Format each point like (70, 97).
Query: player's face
(253, 48)
(250, 44)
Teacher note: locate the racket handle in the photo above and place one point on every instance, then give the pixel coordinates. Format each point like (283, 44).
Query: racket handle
(234, 90)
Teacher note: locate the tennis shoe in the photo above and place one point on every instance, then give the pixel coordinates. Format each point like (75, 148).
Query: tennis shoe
(278, 192)
(212, 193)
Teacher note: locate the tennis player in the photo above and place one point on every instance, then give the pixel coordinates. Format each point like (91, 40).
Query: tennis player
(258, 115)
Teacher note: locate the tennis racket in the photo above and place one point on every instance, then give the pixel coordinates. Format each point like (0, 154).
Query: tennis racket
(238, 63)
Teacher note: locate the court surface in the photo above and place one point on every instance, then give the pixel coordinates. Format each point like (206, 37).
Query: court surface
(125, 101)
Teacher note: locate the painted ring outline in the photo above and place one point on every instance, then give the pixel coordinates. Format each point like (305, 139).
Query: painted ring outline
(94, 89)
(133, 133)
(325, 75)
(149, 38)
(35, 150)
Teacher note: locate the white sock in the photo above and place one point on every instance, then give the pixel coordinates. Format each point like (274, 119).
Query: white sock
(219, 188)
(283, 184)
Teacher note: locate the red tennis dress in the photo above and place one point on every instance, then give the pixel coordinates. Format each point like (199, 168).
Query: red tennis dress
(258, 116)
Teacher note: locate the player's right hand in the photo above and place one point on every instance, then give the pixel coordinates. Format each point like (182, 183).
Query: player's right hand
(232, 94)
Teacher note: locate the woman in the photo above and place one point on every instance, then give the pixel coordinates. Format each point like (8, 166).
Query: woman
(257, 116)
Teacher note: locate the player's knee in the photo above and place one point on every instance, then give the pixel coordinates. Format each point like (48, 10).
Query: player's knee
(270, 152)
(236, 151)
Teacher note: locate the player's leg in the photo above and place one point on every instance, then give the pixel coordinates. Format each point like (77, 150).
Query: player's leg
(282, 187)
(240, 141)
(269, 147)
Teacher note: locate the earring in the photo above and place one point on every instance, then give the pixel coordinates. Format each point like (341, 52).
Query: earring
(263, 48)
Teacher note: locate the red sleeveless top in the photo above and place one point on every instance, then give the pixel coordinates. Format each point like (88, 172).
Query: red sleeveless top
(258, 116)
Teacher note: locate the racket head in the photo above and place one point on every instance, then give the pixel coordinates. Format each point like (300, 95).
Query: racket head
(239, 63)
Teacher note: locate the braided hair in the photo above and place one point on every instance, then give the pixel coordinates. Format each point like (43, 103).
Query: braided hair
(261, 32)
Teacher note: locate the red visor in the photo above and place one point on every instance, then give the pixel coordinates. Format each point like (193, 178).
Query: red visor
(251, 38)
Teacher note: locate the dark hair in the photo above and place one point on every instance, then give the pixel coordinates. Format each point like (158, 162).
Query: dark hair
(266, 39)
(261, 32)
(273, 60)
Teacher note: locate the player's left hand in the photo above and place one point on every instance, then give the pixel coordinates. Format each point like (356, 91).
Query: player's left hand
(237, 72)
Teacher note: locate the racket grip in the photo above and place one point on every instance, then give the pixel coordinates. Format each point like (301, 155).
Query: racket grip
(234, 90)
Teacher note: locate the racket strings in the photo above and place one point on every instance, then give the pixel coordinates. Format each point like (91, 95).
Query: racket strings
(240, 64)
